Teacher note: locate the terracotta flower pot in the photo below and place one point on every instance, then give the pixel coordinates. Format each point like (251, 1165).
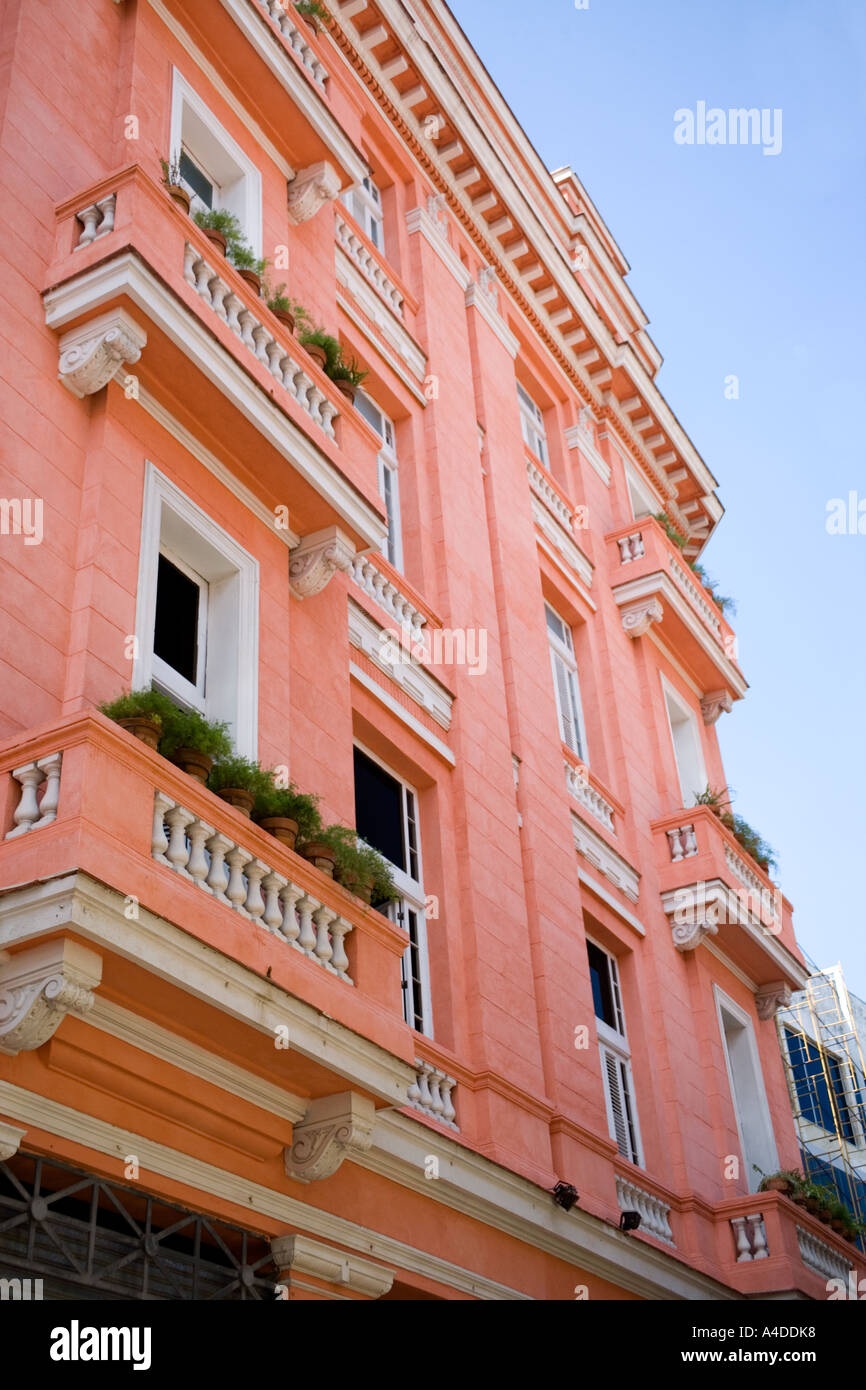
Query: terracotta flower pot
(240, 798)
(813, 1206)
(282, 829)
(838, 1225)
(142, 727)
(347, 389)
(318, 354)
(251, 278)
(193, 763)
(321, 855)
(284, 317)
(824, 1215)
(798, 1198)
(180, 195)
(777, 1185)
(362, 889)
(217, 238)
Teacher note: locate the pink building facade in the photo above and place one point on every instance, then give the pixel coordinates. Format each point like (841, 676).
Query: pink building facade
(448, 609)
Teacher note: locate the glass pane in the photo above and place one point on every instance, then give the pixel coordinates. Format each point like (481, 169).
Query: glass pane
(602, 994)
(198, 182)
(175, 637)
(379, 809)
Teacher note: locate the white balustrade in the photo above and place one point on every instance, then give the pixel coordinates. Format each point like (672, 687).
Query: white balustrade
(581, 789)
(631, 548)
(683, 842)
(379, 588)
(654, 1213)
(96, 220)
(547, 494)
(249, 886)
(431, 1093)
(693, 593)
(35, 810)
(750, 1237)
(366, 262)
(820, 1257)
(258, 338)
(295, 39)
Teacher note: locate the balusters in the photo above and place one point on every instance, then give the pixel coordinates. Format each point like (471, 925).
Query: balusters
(30, 813)
(340, 961)
(159, 839)
(177, 853)
(272, 883)
(289, 897)
(683, 842)
(198, 834)
(218, 877)
(430, 1092)
(237, 889)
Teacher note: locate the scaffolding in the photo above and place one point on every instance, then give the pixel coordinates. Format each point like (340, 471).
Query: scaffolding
(819, 1038)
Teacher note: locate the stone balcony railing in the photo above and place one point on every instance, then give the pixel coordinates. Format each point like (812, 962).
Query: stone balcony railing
(654, 1213)
(367, 260)
(431, 1093)
(295, 40)
(769, 1244)
(555, 518)
(368, 573)
(586, 790)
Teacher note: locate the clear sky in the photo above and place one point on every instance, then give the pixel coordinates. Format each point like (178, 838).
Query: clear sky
(752, 265)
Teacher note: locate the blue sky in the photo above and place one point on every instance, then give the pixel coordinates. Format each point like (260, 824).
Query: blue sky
(746, 264)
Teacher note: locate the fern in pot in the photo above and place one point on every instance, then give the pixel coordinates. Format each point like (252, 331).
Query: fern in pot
(239, 781)
(194, 743)
(286, 813)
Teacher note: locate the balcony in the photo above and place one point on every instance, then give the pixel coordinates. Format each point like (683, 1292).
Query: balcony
(134, 281)
(710, 888)
(83, 800)
(377, 292)
(654, 588)
(766, 1244)
(554, 517)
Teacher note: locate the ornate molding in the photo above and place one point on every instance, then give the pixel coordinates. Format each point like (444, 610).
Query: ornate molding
(39, 987)
(770, 998)
(334, 1127)
(294, 1255)
(310, 189)
(638, 617)
(687, 936)
(10, 1140)
(317, 558)
(714, 704)
(90, 355)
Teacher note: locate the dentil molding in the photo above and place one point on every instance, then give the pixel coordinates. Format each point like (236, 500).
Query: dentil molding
(317, 558)
(310, 189)
(334, 1127)
(39, 987)
(90, 355)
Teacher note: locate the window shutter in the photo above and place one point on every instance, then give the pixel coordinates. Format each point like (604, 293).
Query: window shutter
(617, 1080)
(565, 703)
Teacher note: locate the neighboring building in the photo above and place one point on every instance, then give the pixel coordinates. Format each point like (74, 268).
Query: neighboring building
(578, 982)
(821, 1034)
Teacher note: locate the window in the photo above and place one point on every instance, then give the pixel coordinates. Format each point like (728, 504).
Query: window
(614, 1052)
(197, 614)
(565, 684)
(389, 491)
(819, 1081)
(532, 424)
(213, 167)
(364, 202)
(386, 817)
(687, 746)
(751, 1111)
(641, 499)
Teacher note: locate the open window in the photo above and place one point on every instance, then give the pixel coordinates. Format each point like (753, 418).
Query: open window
(364, 202)
(389, 486)
(615, 1054)
(386, 817)
(565, 683)
(757, 1143)
(214, 169)
(686, 740)
(197, 614)
(532, 424)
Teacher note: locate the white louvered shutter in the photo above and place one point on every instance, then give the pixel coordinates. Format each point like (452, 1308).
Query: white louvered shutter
(620, 1101)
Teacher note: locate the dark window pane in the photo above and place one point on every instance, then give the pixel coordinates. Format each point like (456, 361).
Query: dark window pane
(191, 173)
(602, 995)
(379, 810)
(175, 637)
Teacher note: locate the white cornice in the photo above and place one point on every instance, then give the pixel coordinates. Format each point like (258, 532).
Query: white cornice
(595, 887)
(402, 714)
(410, 676)
(576, 438)
(126, 274)
(562, 541)
(716, 893)
(392, 330)
(616, 869)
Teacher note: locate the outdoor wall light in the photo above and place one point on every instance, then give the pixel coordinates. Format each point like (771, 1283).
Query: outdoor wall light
(629, 1220)
(565, 1196)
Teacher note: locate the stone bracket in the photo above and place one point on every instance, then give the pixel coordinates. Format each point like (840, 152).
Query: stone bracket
(310, 189)
(334, 1128)
(39, 987)
(772, 997)
(91, 355)
(10, 1140)
(638, 617)
(714, 704)
(316, 558)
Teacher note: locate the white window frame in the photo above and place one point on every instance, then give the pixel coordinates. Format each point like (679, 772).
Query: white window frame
(388, 467)
(411, 891)
(191, 693)
(562, 650)
(613, 1042)
(364, 202)
(195, 129)
(689, 719)
(532, 425)
(171, 521)
(764, 1150)
(641, 500)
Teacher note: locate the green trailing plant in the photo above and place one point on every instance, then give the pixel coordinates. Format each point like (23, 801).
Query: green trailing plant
(140, 704)
(347, 369)
(312, 11)
(239, 772)
(238, 250)
(171, 175)
(357, 862)
(189, 729)
(293, 804)
(276, 298)
(242, 258)
(727, 605)
(791, 1176)
(746, 836)
(326, 341)
(670, 530)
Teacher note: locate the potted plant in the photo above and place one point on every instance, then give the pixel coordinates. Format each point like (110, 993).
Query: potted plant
(322, 347)
(347, 376)
(786, 1181)
(748, 838)
(193, 742)
(312, 12)
(280, 305)
(286, 813)
(250, 267)
(142, 713)
(239, 781)
(171, 177)
(219, 226)
(358, 867)
(319, 853)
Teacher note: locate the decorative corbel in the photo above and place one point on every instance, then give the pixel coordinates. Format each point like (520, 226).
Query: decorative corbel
(310, 189)
(687, 936)
(316, 558)
(39, 987)
(10, 1140)
(90, 355)
(638, 617)
(298, 1255)
(772, 997)
(334, 1127)
(715, 703)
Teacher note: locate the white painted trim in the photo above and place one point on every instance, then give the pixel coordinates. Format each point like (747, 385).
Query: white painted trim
(395, 363)
(661, 584)
(232, 667)
(785, 964)
(563, 542)
(184, 97)
(125, 274)
(595, 887)
(576, 438)
(392, 330)
(411, 677)
(556, 558)
(397, 709)
(477, 298)
(616, 869)
(724, 1004)
(419, 220)
(671, 696)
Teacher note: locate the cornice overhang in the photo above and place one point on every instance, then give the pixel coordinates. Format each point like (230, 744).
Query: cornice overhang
(715, 660)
